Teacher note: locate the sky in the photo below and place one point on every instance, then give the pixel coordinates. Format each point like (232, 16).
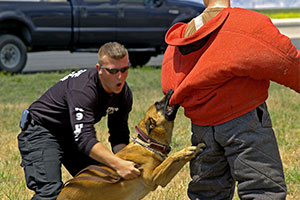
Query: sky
(261, 4)
(266, 3)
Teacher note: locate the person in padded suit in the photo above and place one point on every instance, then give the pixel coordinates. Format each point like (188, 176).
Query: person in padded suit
(220, 65)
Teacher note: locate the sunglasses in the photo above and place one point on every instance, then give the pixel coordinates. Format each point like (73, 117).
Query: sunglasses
(115, 70)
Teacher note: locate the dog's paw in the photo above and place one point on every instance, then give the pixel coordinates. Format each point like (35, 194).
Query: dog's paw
(200, 147)
(191, 151)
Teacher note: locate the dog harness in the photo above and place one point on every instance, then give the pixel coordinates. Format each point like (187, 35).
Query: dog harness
(99, 173)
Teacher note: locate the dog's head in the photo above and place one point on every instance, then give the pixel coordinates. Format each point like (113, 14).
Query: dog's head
(159, 120)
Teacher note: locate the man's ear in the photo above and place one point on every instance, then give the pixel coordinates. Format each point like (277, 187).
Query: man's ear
(99, 69)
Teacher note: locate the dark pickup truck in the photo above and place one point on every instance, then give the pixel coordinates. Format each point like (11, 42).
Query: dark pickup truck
(84, 25)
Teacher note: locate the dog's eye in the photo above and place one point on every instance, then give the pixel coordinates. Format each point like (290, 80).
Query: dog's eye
(150, 124)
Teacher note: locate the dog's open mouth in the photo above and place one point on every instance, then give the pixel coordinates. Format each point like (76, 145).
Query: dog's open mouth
(168, 111)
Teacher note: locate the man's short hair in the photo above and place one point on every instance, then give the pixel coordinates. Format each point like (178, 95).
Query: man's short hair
(113, 50)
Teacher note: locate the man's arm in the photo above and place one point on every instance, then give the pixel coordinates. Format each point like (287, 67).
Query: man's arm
(124, 168)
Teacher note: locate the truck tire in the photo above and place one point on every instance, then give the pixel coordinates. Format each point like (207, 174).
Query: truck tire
(13, 54)
(139, 59)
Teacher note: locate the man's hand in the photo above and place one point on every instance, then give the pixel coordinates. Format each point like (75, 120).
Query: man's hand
(126, 169)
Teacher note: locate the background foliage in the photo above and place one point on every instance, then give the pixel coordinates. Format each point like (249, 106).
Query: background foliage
(281, 13)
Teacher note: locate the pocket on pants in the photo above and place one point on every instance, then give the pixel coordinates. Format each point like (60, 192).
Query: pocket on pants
(29, 157)
(52, 164)
(263, 116)
(42, 166)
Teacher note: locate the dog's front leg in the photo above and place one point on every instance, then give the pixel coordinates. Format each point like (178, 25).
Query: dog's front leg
(164, 173)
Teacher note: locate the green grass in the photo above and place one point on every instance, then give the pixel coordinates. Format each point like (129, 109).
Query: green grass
(281, 13)
(19, 91)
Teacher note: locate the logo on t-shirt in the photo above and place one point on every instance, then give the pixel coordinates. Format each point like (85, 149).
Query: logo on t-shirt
(78, 127)
(111, 110)
(73, 74)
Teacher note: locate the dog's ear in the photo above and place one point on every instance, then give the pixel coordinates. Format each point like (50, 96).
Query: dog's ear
(150, 124)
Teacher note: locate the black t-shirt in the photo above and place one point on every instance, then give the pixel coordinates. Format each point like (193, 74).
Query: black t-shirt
(74, 104)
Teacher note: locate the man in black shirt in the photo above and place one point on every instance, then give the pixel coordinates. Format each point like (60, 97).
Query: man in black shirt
(60, 124)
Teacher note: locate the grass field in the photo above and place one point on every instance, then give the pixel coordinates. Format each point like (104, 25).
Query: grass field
(19, 91)
(281, 13)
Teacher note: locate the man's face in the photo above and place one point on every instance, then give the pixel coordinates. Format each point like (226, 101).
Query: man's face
(113, 83)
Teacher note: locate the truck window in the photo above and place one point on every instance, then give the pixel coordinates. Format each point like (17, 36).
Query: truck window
(95, 1)
(54, 0)
(130, 2)
(153, 2)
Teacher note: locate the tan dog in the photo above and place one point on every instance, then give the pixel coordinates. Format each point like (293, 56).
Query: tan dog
(149, 151)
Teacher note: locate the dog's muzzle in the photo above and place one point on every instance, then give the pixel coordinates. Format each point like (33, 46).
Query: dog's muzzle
(168, 111)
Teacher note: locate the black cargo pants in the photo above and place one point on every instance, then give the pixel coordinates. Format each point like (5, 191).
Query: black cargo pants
(42, 156)
(243, 150)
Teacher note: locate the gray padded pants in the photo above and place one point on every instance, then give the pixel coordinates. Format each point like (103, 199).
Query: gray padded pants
(243, 150)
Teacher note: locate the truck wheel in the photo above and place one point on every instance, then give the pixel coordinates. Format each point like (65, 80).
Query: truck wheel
(139, 59)
(13, 54)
